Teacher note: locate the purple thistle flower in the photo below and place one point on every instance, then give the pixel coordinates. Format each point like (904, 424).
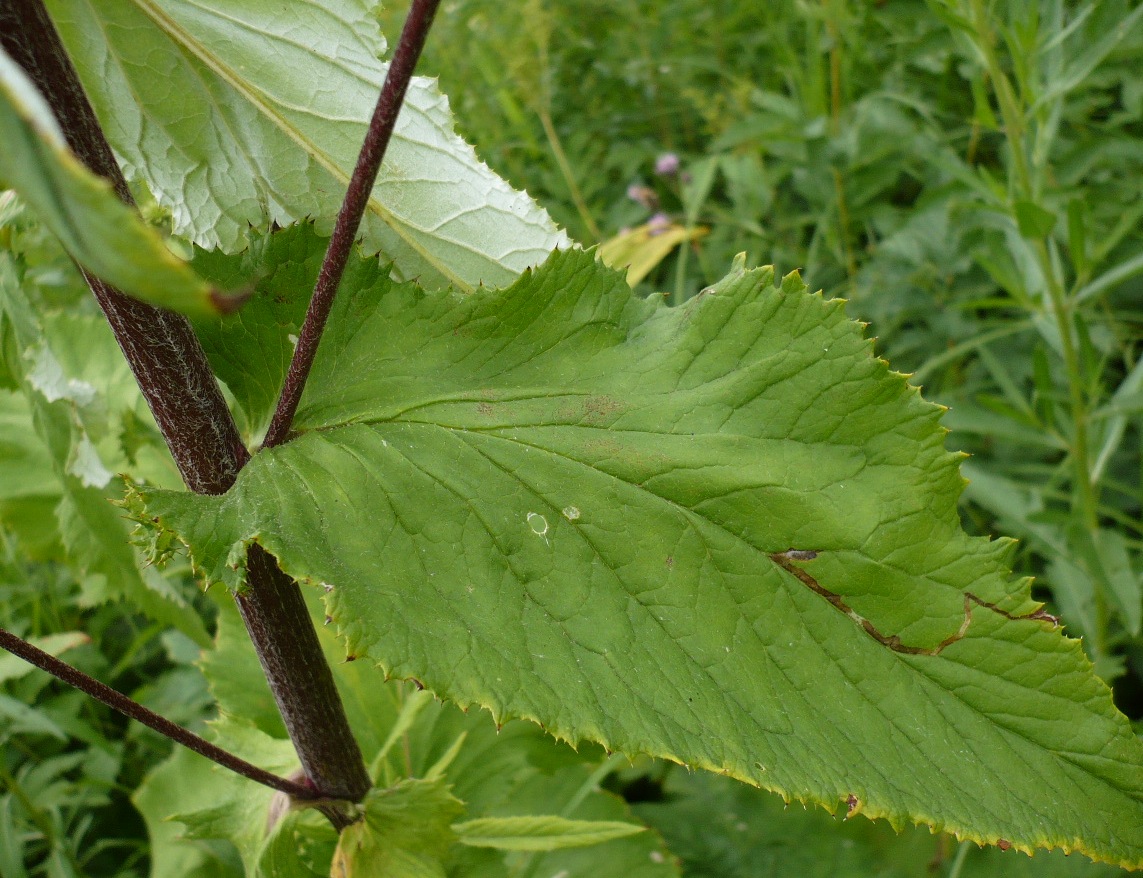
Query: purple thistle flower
(667, 165)
(643, 195)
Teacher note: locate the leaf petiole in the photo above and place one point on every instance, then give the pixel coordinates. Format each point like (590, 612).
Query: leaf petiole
(369, 160)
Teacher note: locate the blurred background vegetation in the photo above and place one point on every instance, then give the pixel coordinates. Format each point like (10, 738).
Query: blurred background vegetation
(968, 174)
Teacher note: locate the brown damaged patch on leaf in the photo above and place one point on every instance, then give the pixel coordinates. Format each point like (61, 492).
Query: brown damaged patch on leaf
(786, 560)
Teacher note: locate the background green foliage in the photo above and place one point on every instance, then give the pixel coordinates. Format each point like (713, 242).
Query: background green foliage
(864, 143)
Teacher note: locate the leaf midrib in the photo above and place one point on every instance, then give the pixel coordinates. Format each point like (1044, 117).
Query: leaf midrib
(180, 36)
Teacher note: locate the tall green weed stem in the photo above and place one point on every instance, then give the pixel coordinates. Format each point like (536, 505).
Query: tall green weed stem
(1085, 499)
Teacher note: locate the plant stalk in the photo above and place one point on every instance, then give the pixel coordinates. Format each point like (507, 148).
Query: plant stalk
(179, 386)
(1014, 126)
(1086, 496)
(385, 113)
(132, 709)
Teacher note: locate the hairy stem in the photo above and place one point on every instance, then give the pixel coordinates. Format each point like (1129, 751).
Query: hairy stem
(377, 138)
(171, 368)
(132, 709)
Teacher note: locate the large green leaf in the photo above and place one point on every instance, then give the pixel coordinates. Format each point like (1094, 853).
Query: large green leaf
(103, 234)
(239, 113)
(723, 533)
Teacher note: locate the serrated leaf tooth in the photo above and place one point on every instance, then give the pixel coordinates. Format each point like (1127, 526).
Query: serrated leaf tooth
(835, 454)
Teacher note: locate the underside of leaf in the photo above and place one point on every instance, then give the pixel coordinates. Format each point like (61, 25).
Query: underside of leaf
(233, 123)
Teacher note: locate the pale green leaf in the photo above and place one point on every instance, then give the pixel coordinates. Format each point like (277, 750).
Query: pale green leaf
(23, 719)
(722, 533)
(235, 677)
(101, 233)
(540, 832)
(404, 833)
(225, 824)
(272, 840)
(640, 249)
(185, 782)
(12, 667)
(25, 467)
(29, 489)
(239, 114)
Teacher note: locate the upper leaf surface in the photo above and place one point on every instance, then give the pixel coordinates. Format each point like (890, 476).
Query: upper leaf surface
(723, 533)
(238, 114)
(99, 231)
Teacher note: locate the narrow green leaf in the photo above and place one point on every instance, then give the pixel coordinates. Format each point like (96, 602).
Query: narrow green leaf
(12, 840)
(1079, 219)
(414, 704)
(236, 121)
(1034, 221)
(1106, 555)
(540, 833)
(722, 533)
(1096, 47)
(101, 233)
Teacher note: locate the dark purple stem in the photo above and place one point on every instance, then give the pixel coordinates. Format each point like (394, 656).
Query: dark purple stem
(377, 138)
(179, 386)
(132, 709)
